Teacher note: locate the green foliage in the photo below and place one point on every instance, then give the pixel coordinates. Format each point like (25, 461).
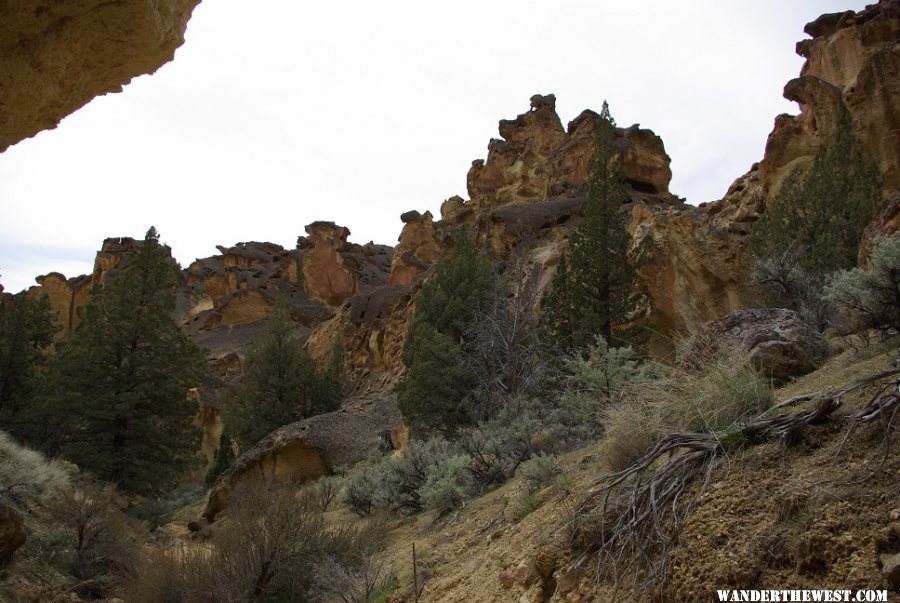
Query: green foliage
(222, 460)
(397, 483)
(872, 297)
(280, 385)
(604, 372)
(121, 382)
(592, 288)
(540, 470)
(814, 224)
(437, 380)
(449, 484)
(26, 331)
(599, 377)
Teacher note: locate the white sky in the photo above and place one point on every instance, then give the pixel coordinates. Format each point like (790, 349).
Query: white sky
(354, 112)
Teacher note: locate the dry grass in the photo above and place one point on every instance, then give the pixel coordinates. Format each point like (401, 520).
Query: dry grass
(25, 472)
(706, 401)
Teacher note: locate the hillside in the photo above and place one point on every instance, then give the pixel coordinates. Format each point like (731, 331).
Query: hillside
(788, 488)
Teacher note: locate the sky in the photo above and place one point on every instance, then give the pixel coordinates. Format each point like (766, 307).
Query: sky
(356, 111)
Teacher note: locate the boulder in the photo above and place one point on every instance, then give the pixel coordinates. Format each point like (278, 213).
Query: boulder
(311, 448)
(776, 341)
(12, 532)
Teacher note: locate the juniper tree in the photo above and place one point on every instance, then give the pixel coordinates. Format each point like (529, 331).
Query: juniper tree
(280, 384)
(591, 290)
(437, 380)
(121, 382)
(813, 226)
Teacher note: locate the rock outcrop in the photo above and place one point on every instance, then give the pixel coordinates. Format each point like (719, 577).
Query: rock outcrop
(313, 447)
(56, 56)
(67, 295)
(535, 158)
(852, 68)
(885, 224)
(776, 341)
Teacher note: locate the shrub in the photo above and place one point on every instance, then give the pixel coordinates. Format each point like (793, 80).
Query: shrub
(405, 475)
(782, 282)
(97, 541)
(872, 299)
(365, 582)
(597, 379)
(449, 484)
(540, 470)
(26, 471)
(267, 547)
(365, 490)
(326, 490)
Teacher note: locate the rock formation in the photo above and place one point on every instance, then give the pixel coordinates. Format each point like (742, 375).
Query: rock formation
(57, 56)
(776, 341)
(313, 447)
(853, 67)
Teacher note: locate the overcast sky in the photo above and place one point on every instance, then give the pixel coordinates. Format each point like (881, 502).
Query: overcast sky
(279, 113)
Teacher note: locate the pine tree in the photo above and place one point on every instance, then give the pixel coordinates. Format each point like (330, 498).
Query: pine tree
(432, 392)
(26, 332)
(593, 284)
(281, 384)
(121, 382)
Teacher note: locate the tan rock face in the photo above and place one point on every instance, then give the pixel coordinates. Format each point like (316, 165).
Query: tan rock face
(852, 65)
(536, 159)
(371, 331)
(56, 56)
(324, 272)
(421, 244)
(698, 267)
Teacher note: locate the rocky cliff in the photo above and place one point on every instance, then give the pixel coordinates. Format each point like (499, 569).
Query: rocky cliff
(524, 199)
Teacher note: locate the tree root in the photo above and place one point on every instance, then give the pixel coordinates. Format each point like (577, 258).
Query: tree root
(635, 515)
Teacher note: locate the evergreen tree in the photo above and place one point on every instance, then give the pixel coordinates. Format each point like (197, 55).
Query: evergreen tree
(593, 284)
(122, 380)
(280, 385)
(813, 226)
(26, 331)
(819, 215)
(222, 460)
(432, 392)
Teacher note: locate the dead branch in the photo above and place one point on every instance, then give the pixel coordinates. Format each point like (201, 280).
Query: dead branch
(641, 509)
